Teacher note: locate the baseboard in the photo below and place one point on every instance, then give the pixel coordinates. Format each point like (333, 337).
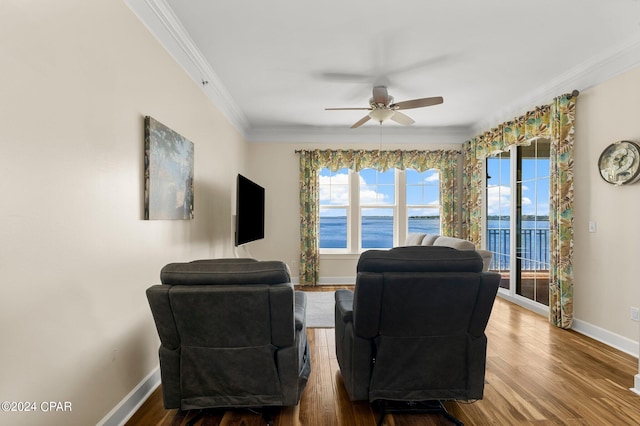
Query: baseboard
(607, 337)
(329, 280)
(336, 280)
(534, 307)
(636, 383)
(614, 340)
(126, 408)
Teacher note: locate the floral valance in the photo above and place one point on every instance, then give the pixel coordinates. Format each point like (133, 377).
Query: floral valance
(384, 160)
(520, 131)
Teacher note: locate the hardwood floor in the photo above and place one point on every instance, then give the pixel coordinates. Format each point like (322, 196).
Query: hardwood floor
(536, 375)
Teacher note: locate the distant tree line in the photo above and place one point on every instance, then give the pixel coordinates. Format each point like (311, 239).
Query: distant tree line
(524, 217)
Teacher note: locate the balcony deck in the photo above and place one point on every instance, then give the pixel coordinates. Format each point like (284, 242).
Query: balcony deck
(533, 255)
(534, 284)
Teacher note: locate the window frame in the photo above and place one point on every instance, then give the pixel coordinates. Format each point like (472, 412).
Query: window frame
(392, 206)
(407, 207)
(349, 211)
(354, 213)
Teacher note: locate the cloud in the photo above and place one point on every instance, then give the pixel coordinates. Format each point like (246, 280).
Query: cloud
(433, 177)
(499, 201)
(370, 196)
(338, 192)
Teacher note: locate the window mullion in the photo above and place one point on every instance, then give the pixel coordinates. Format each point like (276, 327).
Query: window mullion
(513, 237)
(402, 218)
(353, 243)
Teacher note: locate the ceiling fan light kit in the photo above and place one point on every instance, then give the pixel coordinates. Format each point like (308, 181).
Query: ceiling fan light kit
(381, 114)
(382, 107)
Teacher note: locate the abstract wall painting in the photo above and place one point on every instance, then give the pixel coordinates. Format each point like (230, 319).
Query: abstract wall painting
(168, 173)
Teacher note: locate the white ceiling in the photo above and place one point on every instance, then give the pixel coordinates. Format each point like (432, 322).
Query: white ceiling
(273, 66)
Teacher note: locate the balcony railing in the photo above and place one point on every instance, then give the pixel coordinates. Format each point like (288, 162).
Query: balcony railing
(533, 252)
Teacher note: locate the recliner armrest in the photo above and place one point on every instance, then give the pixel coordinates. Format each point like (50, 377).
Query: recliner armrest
(300, 311)
(344, 304)
(486, 258)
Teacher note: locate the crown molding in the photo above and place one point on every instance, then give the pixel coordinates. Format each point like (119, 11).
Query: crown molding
(598, 69)
(158, 17)
(160, 20)
(387, 134)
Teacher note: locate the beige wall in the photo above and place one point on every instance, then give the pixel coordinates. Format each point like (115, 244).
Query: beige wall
(77, 77)
(607, 266)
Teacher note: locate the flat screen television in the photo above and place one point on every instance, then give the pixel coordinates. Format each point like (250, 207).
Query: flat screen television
(249, 211)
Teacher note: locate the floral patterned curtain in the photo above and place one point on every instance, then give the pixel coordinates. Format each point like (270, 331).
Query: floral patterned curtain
(561, 212)
(472, 178)
(309, 216)
(555, 122)
(312, 161)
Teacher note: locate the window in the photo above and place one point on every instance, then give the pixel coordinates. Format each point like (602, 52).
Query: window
(423, 201)
(375, 209)
(499, 213)
(334, 208)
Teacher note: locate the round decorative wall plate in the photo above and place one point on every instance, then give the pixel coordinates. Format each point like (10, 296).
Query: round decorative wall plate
(619, 163)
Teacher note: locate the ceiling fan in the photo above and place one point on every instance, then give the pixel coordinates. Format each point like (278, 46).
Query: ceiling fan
(382, 107)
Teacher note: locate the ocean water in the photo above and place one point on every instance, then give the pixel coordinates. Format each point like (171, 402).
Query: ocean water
(378, 233)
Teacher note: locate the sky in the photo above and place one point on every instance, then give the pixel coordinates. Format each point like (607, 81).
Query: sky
(535, 185)
(377, 188)
(422, 188)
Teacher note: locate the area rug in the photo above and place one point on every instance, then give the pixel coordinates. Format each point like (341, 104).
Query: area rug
(320, 309)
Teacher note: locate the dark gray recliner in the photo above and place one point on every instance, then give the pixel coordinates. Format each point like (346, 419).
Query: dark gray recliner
(413, 329)
(233, 334)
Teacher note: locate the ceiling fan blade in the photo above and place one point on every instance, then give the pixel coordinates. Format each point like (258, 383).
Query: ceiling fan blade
(347, 109)
(429, 62)
(401, 118)
(361, 121)
(380, 95)
(418, 103)
(345, 77)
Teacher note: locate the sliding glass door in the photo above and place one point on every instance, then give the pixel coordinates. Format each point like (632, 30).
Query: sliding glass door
(532, 221)
(517, 227)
